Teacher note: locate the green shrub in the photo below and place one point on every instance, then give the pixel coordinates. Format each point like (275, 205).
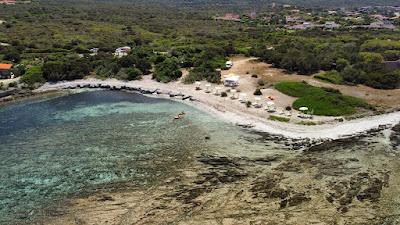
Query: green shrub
(224, 94)
(134, 74)
(12, 55)
(278, 118)
(307, 123)
(341, 64)
(248, 104)
(371, 57)
(109, 70)
(33, 75)
(12, 84)
(260, 82)
(330, 76)
(391, 55)
(257, 92)
(377, 45)
(65, 69)
(167, 71)
(197, 75)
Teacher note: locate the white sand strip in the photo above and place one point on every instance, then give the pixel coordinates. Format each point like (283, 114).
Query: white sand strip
(238, 115)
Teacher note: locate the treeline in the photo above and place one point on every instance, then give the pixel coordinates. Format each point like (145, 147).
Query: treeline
(262, 4)
(202, 63)
(51, 34)
(350, 62)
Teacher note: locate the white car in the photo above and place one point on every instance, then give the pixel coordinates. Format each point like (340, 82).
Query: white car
(228, 64)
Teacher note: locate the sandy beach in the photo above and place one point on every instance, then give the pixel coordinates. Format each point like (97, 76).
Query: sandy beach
(235, 112)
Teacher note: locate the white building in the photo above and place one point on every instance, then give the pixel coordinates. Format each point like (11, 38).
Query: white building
(231, 81)
(122, 51)
(331, 25)
(304, 26)
(382, 25)
(94, 51)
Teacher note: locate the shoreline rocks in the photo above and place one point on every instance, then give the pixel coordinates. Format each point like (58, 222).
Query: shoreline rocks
(292, 142)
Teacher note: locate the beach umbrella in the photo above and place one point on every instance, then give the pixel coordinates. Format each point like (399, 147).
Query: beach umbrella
(234, 96)
(217, 90)
(303, 109)
(242, 97)
(270, 103)
(208, 88)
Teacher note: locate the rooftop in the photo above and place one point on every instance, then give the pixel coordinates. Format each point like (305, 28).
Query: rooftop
(5, 66)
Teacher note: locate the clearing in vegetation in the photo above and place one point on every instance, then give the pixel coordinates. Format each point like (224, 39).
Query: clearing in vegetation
(321, 101)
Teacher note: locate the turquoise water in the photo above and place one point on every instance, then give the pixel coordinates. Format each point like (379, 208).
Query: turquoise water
(54, 149)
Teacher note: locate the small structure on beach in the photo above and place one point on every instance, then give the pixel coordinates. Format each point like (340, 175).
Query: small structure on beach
(305, 113)
(208, 88)
(198, 85)
(231, 80)
(243, 97)
(5, 71)
(233, 94)
(257, 103)
(217, 91)
(270, 106)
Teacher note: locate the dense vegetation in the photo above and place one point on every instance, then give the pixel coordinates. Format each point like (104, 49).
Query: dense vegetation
(278, 118)
(348, 59)
(167, 70)
(332, 76)
(262, 4)
(167, 36)
(33, 75)
(321, 101)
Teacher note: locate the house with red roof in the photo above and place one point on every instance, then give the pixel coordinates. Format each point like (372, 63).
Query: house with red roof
(5, 70)
(8, 2)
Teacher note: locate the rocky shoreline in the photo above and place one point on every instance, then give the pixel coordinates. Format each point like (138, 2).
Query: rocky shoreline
(351, 180)
(334, 183)
(301, 133)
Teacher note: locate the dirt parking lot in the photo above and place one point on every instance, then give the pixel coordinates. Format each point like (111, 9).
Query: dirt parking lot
(245, 67)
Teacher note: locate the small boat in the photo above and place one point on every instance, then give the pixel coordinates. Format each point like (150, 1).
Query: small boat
(179, 116)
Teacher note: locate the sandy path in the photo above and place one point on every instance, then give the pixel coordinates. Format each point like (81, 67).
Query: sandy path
(234, 112)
